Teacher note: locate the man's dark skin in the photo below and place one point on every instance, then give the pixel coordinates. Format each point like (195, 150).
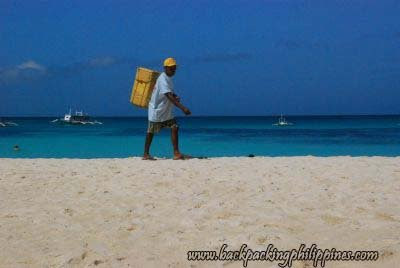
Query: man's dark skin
(170, 71)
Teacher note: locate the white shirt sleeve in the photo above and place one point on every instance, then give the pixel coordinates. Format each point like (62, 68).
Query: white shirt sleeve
(165, 87)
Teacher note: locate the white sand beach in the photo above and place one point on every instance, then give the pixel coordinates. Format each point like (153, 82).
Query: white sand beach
(134, 213)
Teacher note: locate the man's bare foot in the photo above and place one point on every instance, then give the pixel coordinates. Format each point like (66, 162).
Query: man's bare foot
(148, 157)
(180, 156)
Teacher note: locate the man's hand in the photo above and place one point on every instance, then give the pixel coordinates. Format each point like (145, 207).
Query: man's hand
(186, 111)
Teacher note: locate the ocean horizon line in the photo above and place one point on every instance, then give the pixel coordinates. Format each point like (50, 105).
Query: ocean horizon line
(211, 116)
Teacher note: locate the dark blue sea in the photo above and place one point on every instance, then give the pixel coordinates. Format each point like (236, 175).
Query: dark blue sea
(205, 136)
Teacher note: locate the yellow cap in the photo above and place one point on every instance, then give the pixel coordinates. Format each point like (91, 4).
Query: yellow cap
(170, 62)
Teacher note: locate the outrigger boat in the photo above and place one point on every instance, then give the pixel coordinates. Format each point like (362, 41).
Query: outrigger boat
(282, 122)
(77, 119)
(7, 123)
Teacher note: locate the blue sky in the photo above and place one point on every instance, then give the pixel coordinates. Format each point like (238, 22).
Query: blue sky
(235, 57)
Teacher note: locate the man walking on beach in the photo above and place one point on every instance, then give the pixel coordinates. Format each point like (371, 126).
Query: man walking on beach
(161, 107)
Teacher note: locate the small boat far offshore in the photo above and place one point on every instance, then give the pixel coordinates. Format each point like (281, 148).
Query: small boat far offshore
(7, 123)
(282, 122)
(77, 119)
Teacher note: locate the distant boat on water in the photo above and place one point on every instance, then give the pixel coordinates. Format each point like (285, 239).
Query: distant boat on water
(76, 119)
(282, 122)
(7, 123)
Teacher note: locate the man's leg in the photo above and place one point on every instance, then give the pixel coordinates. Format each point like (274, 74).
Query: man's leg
(149, 139)
(175, 142)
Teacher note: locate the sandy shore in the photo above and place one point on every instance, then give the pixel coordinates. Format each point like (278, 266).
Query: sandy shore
(134, 213)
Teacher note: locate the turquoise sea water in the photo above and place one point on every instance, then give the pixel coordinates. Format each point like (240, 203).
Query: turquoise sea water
(206, 136)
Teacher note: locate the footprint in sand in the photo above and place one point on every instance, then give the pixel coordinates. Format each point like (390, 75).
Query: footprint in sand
(68, 211)
(333, 220)
(386, 254)
(162, 184)
(97, 262)
(295, 230)
(384, 216)
(302, 264)
(77, 260)
(360, 209)
(132, 228)
(225, 215)
(198, 205)
(262, 240)
(74, 261)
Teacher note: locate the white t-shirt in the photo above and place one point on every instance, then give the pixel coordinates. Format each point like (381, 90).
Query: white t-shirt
(160, 107)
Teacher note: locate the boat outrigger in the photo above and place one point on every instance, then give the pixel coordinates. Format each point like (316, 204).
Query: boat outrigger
(77, 119)
(282, 122)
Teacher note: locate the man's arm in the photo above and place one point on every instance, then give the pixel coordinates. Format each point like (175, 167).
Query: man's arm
(176, 97)
(175, 100)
